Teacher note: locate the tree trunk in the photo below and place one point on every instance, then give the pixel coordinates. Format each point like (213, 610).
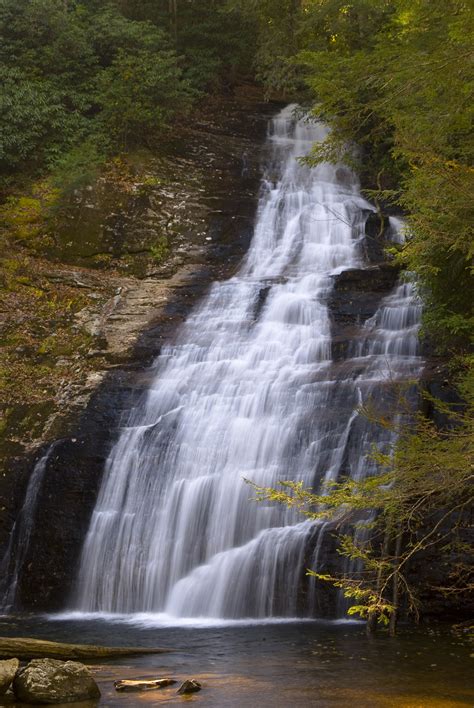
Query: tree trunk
(395, 587)
(294, 11)
(173, 12)
(371, 624)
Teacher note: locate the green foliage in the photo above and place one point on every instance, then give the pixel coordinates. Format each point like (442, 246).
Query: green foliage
(160, 250)
(77, 167)
(46, 38)
(217, 44)
(216, 41)
(139, 95)
(46, 63)
(82, 81)
(85, 79)
(111, 34)
(25, 217)
(277, 23)
(367, 602)
(34, 122)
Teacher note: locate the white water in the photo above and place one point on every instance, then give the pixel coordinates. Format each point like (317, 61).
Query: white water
(249, 390)
(11, 565)
(149, 620)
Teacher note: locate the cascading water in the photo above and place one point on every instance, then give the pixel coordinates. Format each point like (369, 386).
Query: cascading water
(249, 390)
(11, 565)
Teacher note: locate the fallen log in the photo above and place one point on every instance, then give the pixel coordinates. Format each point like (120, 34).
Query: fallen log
(145, 685)
(21, 648)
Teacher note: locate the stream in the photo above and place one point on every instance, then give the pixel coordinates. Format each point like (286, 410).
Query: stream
(265, 664)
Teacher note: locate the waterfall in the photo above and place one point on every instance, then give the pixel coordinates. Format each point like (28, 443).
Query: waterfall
(249, 389)
(11, 565)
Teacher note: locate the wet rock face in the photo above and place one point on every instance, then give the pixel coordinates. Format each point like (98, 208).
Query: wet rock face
(65, 501)
(355, 297)
(146, 204)
(50, 681)
(357, 292)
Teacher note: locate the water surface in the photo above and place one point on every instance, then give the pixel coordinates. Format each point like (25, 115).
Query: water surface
(283, 664)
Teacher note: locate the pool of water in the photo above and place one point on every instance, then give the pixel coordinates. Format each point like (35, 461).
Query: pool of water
(271, 664)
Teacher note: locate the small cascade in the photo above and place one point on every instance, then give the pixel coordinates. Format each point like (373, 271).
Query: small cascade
(388, 351)
(11, 564)
(396, 231)
(249, 390)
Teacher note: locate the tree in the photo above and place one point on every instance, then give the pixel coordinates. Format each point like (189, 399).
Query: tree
(35, 123)
(79, 77)
(390, 98)
(139, 94)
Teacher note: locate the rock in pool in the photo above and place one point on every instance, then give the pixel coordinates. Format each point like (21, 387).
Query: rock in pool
(190, 686)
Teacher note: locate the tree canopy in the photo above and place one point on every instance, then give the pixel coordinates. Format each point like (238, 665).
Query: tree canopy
(114, 74)
(396, 80)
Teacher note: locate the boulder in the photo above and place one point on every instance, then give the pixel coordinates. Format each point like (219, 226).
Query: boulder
(52, 681)
(8, 671)
(190, 686)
